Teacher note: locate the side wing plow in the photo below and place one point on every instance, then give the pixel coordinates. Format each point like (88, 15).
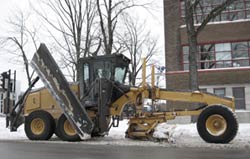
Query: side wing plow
(48, 71)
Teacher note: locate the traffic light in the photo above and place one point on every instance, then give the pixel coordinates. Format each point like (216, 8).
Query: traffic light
(5, 77)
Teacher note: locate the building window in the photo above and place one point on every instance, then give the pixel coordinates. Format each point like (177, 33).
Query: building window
(240, 9)
(239, 95)
(223, 55)
(220, 55)
(240, 54)
(220, 92)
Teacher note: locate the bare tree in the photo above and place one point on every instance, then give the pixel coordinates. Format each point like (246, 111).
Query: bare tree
(17, 42)
(74, 20)
(109, 12)
(138, 43)
(193, 32)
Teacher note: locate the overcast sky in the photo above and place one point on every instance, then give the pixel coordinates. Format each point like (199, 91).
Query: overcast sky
(9, 7)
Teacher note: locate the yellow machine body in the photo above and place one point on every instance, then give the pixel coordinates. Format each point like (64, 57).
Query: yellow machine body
(143, 123)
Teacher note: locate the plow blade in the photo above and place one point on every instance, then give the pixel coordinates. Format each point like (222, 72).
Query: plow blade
(48, 71)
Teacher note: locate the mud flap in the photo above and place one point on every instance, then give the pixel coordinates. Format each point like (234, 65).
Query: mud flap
(47, 69)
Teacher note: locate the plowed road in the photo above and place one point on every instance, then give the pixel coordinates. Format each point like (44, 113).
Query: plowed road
(64, 150)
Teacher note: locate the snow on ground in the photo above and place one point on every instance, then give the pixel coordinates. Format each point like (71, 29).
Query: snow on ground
(5, 133)
(173, 135)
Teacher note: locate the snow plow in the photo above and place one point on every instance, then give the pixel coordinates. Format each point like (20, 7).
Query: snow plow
(95, 104)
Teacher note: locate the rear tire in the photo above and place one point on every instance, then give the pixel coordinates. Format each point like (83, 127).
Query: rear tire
(217, 124)
(65, 131)
(39, 125)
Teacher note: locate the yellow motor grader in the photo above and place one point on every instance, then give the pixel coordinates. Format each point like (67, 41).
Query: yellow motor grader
(95, 104)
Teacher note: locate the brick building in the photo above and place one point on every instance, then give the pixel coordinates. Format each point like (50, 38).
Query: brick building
(224, 50)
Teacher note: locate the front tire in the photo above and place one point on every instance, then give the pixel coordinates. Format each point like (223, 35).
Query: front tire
(39, 125)
(65, 130)
(217, 124)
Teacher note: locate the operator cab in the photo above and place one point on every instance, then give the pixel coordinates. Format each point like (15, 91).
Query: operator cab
(112, 68)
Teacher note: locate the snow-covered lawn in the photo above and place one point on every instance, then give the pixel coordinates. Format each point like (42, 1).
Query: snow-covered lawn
(178, 136)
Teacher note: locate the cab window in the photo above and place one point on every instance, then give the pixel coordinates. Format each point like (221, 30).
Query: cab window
(120, 74)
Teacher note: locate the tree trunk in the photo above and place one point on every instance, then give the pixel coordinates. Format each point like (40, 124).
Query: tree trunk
(192, 40)
(26, 64)
(193, 73)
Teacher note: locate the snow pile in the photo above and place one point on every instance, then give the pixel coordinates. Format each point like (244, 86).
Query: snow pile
(175, 132)
(164, 132)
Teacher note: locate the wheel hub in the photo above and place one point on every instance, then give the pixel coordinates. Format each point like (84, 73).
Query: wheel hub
(216, 125)
(37, 126)
(69, 130)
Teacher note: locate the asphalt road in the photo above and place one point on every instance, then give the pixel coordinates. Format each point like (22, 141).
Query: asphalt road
(38, 150)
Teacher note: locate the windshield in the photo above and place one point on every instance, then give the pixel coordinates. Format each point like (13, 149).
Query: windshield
(120, 74)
